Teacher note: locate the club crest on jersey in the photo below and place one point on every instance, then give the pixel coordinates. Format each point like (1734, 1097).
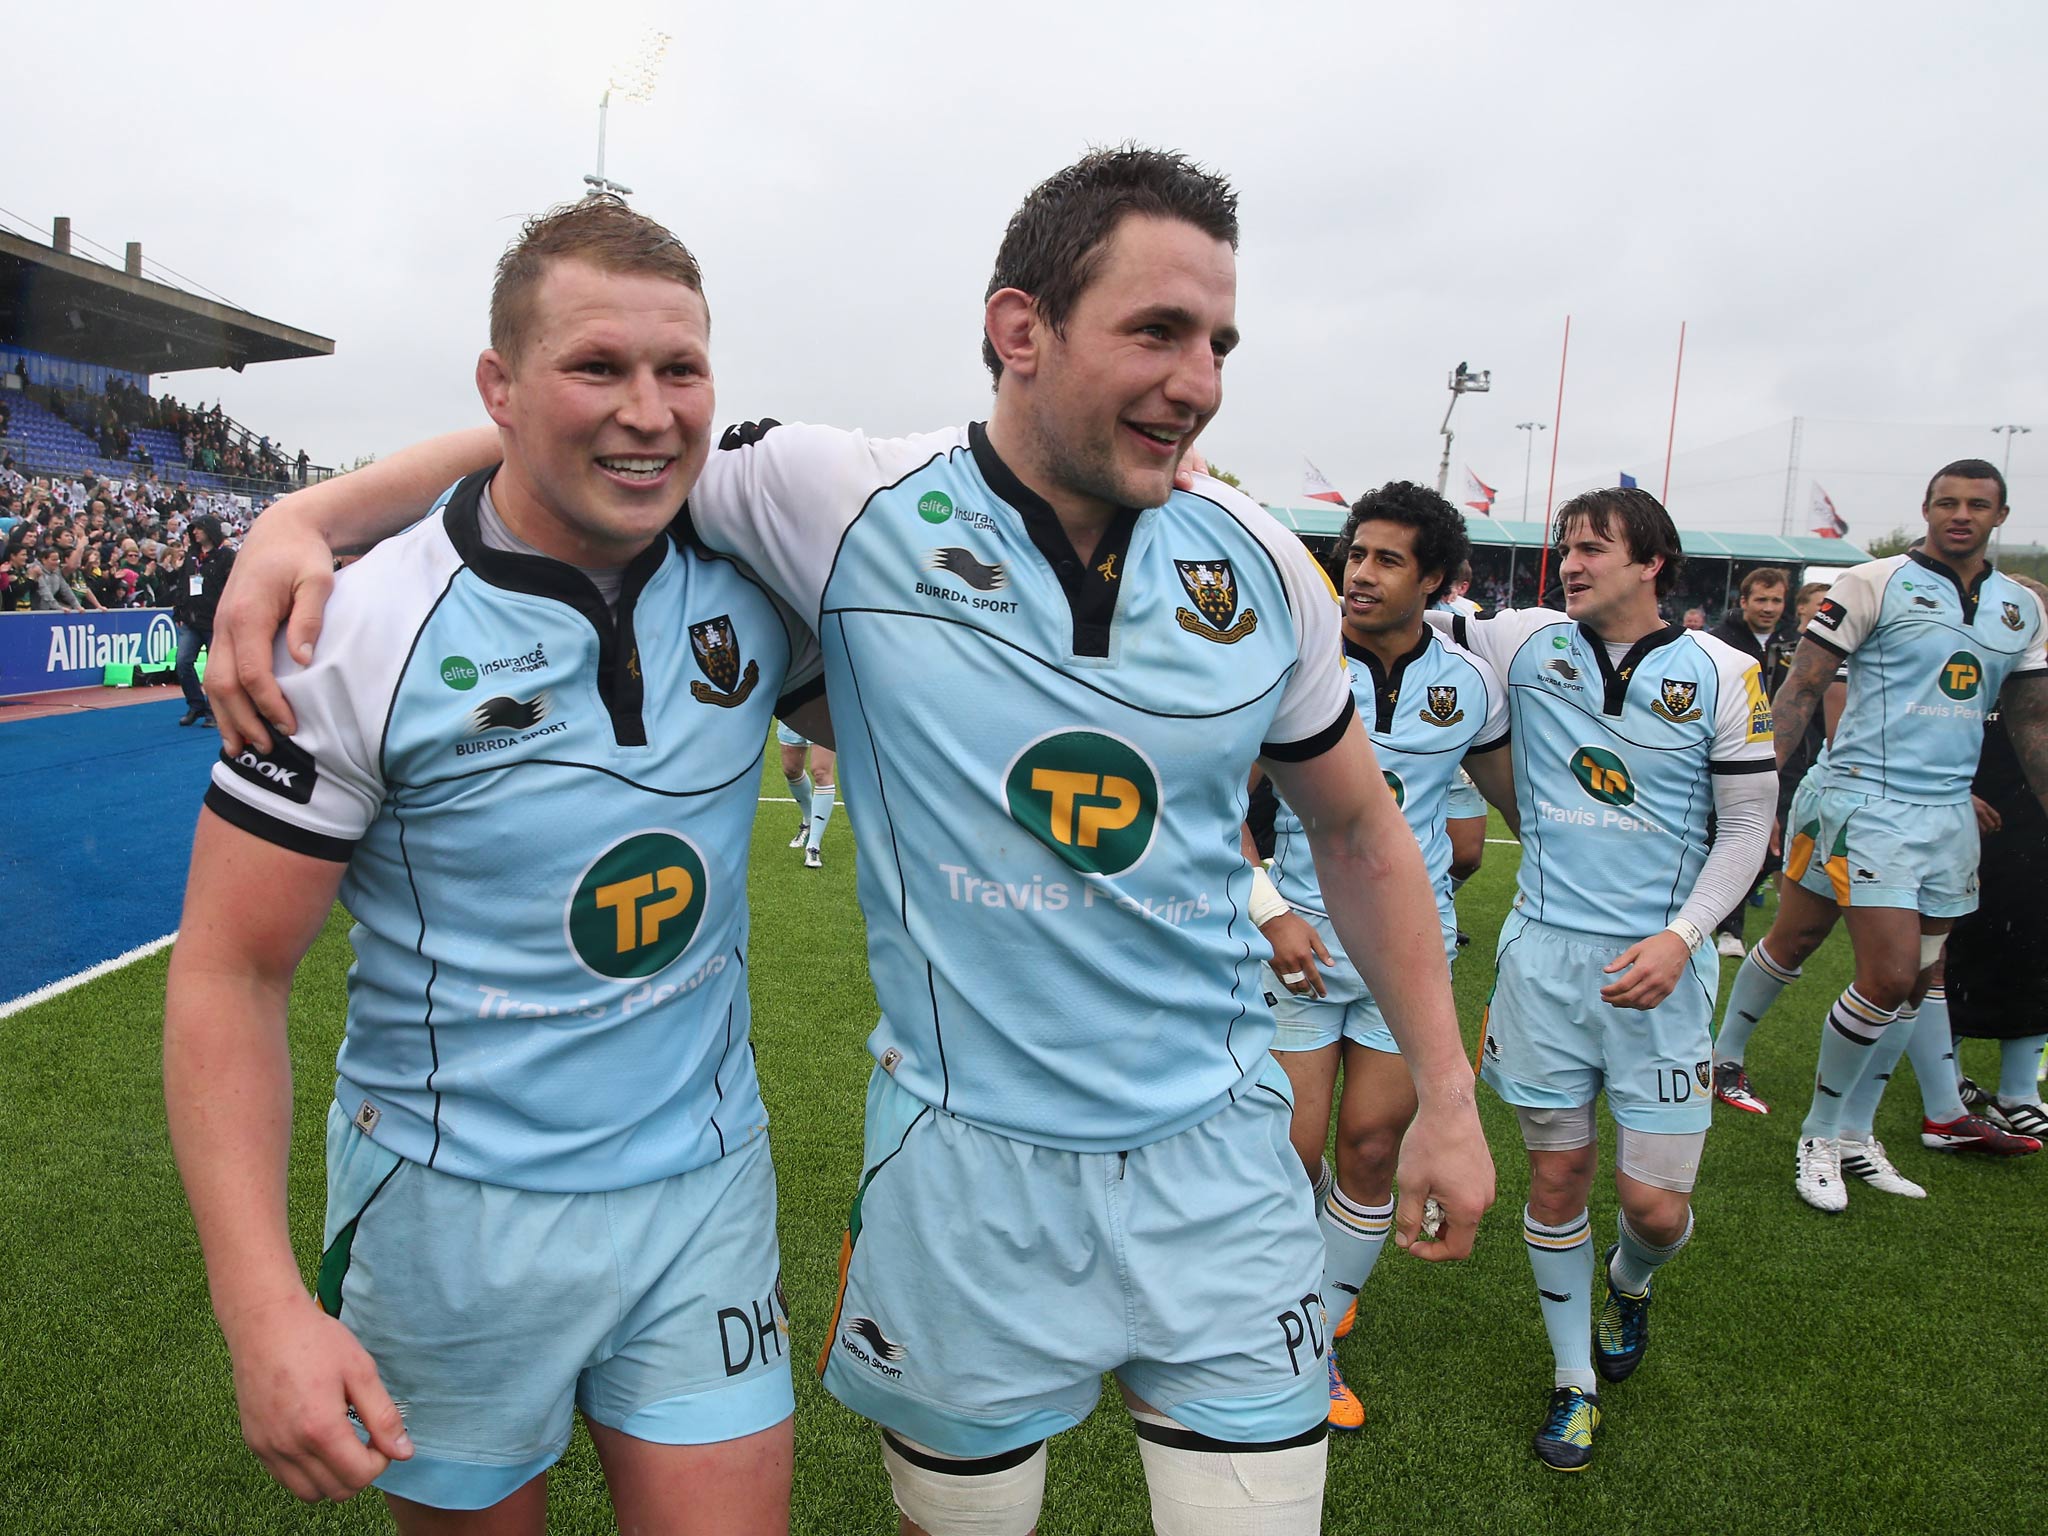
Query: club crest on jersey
(2010, 612)
(717, 650)
(1675, 701)
(1212, 588)
(1443, 706)
(1703, 1074)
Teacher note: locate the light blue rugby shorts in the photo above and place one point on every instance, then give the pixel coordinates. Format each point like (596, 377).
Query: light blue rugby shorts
(492, 1311)
(1464, 799)
(989, 1282)
(1860, 850)
(1348, 1011)
(788, 737)
(1552, 1043)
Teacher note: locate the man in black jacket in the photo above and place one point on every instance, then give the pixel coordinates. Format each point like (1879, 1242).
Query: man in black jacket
(198, 593)
(1752, 628)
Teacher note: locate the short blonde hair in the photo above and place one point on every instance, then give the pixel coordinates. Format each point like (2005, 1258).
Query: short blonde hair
(599, 229)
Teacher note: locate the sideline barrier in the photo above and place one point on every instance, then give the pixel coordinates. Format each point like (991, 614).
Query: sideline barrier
(44, 651)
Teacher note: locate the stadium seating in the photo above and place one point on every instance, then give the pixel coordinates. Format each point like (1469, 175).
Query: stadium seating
(48, 444)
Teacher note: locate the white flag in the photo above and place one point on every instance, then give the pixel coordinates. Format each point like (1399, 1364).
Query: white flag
(1315, 485)
(1826, 521)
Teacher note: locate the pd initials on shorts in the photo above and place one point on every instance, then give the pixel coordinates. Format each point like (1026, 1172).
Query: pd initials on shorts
(492, 1311)
(1552, 1043)
(990, 1282)
(1860, 850)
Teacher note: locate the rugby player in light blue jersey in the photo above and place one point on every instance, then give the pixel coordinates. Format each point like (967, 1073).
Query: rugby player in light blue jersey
(527, 759)
(1882, 835)
(1051, 673)
(1627, 732)
(807, 770)
(1432, 706)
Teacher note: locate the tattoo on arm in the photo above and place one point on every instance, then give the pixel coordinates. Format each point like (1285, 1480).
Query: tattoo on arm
(2023, 709)
(1813, 668)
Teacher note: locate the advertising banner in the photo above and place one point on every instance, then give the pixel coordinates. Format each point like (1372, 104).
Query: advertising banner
(42, 651)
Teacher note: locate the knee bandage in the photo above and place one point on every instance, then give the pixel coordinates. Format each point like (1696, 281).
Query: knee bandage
(1930, 948)
(1660, 1159)
(1556, 1130)
(948, 1496)
(1205, 1487)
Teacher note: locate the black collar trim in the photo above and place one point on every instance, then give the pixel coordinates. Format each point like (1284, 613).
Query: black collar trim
(1615, 678)
(1091, 590)
(1386, 681)
(619, 680)
(1967, 596)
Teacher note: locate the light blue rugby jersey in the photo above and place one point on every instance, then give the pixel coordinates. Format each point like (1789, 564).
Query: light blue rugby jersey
(546, 811)
(1436, 705)
(1045, 763)
(1926, 660)
(1614, 762)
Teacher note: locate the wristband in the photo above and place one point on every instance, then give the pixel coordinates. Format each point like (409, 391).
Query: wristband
(1266, 902)
(1688, 931)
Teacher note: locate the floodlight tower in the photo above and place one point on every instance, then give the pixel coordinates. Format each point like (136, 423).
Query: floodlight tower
(1463, 382)
(1528, 456)
(634, 80)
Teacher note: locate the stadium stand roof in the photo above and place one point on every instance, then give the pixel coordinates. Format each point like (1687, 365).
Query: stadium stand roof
(63, 304)
(1327, 521)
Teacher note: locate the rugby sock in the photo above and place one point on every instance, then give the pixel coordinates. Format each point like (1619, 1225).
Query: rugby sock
(1933, 1051)
(2017, 1062)
(1859, 1112)
(1635, 1259)
(1353, 1236)
(1562, 1257)
(1854, 1025)
(821, 812)
(1758, 981)
(1325, 1180)
(800, 792)
(1457, 884)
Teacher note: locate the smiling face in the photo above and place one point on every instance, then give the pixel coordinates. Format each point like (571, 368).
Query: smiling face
(1604, 587)
(1385, 587)
(1960, 515)
(1112, 402)
(605, 411)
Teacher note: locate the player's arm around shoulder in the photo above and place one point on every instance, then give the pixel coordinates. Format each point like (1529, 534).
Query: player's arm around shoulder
(1380, 903)
(1487, 759)
(2023, 706)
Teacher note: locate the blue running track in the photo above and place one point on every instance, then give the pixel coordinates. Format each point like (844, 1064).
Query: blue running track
(100, 807)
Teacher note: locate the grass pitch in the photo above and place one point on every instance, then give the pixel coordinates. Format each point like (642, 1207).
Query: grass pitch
(1860, 1373)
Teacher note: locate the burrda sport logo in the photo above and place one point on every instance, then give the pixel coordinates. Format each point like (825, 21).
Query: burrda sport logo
(637, 906)
(1091, 797)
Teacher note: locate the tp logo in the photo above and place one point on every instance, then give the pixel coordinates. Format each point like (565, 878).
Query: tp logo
(1961, 675)
(637, 906)
(1090, 797)
(1603, 776)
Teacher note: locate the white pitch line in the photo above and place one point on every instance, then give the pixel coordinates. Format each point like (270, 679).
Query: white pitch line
(90, 973)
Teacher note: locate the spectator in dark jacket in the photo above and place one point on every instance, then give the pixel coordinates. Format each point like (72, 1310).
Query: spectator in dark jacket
(198, 594)
(1753, 630)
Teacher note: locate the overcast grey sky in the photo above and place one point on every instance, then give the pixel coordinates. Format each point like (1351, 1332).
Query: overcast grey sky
(1838, 198)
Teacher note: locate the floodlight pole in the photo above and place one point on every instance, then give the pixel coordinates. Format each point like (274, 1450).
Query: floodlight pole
(1529, 456)
(597, 183)
(2011, 431)
(1462, 383)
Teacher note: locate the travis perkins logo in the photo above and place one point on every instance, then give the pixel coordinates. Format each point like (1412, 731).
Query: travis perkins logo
(863, 1339)
(1675, 702)
(961, 563)
(1443, 707)
(717, 650)
(1212, 587)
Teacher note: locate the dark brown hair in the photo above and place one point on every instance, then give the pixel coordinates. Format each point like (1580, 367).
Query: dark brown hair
(601, 230)
(1646, 527)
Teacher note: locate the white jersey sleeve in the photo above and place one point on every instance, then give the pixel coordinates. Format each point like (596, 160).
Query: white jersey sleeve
(1742, 716)
(2035, 657)
(1494, 640)
(1316, 704)
(1849, 612)
(782, 503)
(1495, 730)
(317, 791)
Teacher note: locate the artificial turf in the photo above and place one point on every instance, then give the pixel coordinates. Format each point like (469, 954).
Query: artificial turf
(1857, 1373)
